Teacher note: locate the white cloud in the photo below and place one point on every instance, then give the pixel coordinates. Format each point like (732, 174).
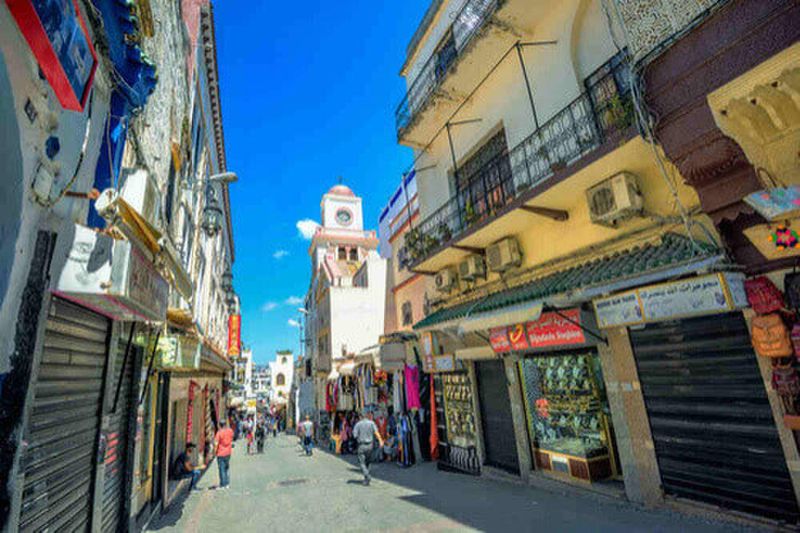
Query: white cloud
(269, 306)
(280, 254)
(293, 300)
(307, 227)
(294, 323)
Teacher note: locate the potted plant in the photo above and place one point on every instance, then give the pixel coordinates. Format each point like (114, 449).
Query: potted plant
(619, 114)
(469, 213)
(444, 232)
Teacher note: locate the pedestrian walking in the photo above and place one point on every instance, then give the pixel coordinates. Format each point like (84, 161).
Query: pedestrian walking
(307, 429)
(223, 441)
(366, 433)
(261, 435)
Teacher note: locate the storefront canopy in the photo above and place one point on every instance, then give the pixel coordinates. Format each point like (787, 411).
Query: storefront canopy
(674, 256)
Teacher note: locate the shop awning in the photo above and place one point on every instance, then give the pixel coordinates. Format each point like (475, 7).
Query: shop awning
(526, 312)
(347, 367)
(675, 255)
(392, 356)
(367, 355)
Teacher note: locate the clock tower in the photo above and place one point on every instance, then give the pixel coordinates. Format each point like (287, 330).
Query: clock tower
(341, 209)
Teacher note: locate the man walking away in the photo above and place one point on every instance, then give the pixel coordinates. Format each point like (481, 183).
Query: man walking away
(183, 467)
(365, 432)
(307, 428)
(261, 434)
(223, 440)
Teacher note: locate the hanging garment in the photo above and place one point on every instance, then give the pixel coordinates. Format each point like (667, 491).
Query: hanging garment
(412, 387)
(415, 439)
(397, 393)
(434, 440)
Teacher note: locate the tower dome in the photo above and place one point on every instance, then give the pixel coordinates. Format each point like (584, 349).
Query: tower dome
(341, 190)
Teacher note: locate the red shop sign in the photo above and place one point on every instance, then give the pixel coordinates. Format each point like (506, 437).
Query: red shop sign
(554, 330)
(498, 337)
(518, 338)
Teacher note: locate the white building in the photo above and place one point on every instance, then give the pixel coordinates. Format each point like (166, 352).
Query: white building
(282, 371)
(261, 381)
(345, 302)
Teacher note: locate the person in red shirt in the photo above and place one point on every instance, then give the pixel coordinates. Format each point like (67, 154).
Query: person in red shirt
(223, 441)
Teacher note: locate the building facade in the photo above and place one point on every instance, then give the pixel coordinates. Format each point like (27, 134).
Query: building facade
(282, 371)
(116, 337)
(574, 271)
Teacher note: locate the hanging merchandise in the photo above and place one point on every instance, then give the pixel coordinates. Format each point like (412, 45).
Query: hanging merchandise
(412, 387)
(771, 336)
(434, 438)
(764, 297)
(796, 340)
(791, 286)
(397, 392)
(461, 451)
(786, 383)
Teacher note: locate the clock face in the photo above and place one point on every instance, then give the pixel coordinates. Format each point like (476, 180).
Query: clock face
(344, 217)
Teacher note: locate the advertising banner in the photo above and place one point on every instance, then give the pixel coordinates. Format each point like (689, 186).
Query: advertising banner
(234, 335)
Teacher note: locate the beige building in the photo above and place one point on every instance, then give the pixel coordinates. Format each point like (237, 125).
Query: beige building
(550, 234)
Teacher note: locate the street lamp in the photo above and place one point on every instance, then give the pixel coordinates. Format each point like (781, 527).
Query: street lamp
(227, 280)
(212, 215)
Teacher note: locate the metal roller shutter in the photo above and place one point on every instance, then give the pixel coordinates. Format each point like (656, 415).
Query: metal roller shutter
(498, 426)
(714, 433)
(116, 457)
(62, 434)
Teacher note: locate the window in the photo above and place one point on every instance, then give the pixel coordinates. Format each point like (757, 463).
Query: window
(283, 360)
(280, 380)
(353, 254)
(408, 315)
(170, 196)
(484, 181)
(342, 253)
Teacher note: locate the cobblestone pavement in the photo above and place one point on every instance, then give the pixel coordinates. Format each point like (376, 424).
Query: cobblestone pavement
(282, 490)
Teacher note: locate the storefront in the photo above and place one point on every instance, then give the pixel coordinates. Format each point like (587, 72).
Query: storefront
(712, 424)
(563, 388)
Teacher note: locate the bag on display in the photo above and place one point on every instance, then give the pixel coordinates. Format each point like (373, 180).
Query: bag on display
(796, 340)
(771, 336)
(785, 380)
(764, 297)
(791, 287)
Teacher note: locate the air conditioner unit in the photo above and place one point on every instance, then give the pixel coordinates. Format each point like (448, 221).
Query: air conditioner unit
(140, 191)
(445, 280)
(615, 199)
(472, 267)
(503, 255)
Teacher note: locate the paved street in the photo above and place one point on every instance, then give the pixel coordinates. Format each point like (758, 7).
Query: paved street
(283, 490)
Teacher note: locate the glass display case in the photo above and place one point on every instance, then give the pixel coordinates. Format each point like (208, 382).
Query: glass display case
(461, 451)
(567, 414)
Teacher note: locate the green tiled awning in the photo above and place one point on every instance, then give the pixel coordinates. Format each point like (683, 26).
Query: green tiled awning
(673, 250)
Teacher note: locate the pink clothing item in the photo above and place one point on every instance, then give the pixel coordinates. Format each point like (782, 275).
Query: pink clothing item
(412, 387)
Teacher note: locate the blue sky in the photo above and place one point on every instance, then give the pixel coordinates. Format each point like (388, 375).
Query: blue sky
(308, 94)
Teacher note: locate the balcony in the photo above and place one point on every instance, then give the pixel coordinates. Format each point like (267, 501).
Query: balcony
(602, 114)
(467, 24)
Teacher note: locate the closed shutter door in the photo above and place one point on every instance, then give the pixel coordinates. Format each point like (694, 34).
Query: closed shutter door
(116, 458)
(498, 426)
(714, 433)
(62, 434)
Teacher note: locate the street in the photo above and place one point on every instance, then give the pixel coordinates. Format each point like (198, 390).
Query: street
(283, 490)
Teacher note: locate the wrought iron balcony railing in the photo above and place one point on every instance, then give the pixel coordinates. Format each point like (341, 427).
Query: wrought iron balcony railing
(469, 20)
(603, 110)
